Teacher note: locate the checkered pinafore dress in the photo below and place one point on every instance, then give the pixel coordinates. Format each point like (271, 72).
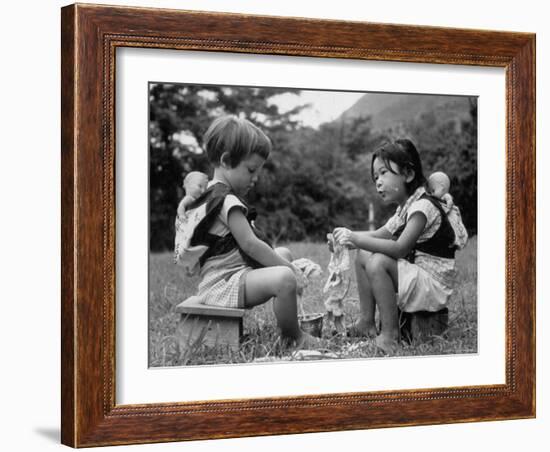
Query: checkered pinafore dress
(224, 265)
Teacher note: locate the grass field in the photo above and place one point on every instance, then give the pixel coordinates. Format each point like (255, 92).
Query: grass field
(168, 287)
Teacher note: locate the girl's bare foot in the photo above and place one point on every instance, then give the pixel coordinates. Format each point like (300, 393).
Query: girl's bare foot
(387, 343)
(362, 329)
(305, 342)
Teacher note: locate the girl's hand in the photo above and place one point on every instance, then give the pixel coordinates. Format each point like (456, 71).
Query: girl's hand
(344, 237)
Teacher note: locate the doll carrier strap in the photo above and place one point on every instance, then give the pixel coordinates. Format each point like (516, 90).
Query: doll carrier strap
(441, 244)
(190, 241)
(213, 197)
(215, 244)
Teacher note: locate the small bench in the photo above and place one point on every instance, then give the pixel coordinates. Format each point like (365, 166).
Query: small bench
(209, 325)
(422, 325)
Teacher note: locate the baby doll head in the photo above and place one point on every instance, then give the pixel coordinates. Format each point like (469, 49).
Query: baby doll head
(231, 139)
(195, 183)
(438, 184)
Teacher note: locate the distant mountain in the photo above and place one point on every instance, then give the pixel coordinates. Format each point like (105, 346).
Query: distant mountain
(392, 110)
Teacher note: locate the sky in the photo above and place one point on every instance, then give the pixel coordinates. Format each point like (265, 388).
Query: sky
(325, 105)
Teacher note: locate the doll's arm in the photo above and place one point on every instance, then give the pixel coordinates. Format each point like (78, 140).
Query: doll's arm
(184, 204)
(448, 200)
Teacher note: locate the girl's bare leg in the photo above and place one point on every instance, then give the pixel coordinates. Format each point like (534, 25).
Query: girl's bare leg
(382, 272)
(279, 283)
(365, 326)
(265, 283)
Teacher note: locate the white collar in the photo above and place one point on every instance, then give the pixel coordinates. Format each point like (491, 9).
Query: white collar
(401, 211)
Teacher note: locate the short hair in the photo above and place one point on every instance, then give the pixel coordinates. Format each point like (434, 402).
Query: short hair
(404, 154)
(237, 137)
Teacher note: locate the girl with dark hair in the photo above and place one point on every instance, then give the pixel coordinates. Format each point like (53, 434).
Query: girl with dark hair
(408, 263)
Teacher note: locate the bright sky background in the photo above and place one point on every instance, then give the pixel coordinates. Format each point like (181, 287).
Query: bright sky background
(325, 105)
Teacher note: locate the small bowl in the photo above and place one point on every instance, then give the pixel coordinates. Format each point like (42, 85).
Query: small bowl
(312, 324)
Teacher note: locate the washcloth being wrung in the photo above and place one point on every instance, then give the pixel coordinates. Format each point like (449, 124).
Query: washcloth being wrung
(337, 284)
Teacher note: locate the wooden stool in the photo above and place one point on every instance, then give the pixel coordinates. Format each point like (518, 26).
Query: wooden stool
(422, 325)
(209, 325)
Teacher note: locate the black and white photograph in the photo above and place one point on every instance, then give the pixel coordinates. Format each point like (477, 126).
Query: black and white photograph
(271, 226)
(288, 224)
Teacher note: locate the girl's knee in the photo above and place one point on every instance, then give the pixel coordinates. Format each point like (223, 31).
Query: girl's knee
(377, 263)
(284, 253)
(286, 280)
(362, 258)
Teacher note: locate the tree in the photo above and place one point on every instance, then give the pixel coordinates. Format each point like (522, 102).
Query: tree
(314, 179)
(178, 118)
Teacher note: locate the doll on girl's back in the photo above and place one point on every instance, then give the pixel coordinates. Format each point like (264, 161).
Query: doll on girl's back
(438, 185)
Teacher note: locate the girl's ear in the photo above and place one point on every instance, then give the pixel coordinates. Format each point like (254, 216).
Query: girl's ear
(409, 176)
(225, 160)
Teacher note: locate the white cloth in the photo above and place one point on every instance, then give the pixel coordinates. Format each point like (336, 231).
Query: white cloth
(308, 268)
(184, 254)
(455, 219)
(339, 278)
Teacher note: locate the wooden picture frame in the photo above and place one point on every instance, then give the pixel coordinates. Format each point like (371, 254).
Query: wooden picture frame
(90, 36)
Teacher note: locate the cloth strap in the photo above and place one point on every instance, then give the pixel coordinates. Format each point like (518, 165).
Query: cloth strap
(441, 244)
(217, 245)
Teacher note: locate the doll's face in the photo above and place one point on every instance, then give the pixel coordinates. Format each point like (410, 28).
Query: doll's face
(437, 189)
(438, 184)
(196, 186)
